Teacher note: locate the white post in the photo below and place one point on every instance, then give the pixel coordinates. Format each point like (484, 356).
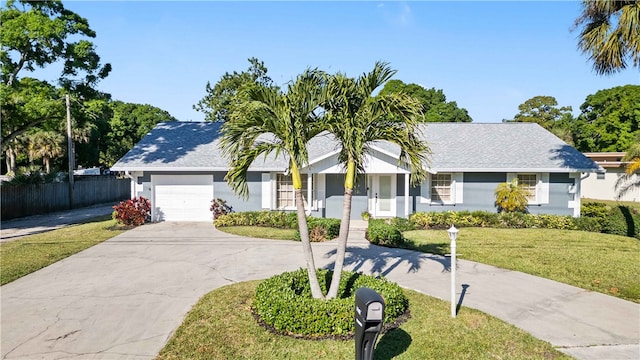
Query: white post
(406, 195)
(453, 233)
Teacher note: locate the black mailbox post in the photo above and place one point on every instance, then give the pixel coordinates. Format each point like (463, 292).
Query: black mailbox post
(369, 317)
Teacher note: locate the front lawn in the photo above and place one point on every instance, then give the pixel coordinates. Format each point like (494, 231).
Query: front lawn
(609, 264)
(261, 232)
(33, 252)
(221, 326)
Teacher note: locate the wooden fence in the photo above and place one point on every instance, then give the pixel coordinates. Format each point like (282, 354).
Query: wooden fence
(25, 200)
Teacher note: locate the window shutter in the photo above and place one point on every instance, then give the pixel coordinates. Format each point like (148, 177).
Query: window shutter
(458, 187)
(266, 191)
(425, 191)
(543, 188)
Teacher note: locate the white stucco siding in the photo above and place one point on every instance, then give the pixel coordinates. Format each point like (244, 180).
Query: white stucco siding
(603, 187)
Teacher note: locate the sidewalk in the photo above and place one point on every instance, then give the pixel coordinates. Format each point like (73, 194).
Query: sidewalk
(16, 228)
(125, 297)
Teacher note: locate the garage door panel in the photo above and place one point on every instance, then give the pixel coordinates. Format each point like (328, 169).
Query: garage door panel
(183, 197)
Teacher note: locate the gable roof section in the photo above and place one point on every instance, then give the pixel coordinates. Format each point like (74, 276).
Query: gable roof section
(456, 147)
(511, 147)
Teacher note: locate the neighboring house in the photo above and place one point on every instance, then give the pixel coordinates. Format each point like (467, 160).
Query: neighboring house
(602, 186)
(179, 167)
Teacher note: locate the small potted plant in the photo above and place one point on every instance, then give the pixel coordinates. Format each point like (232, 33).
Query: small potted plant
(365, 215)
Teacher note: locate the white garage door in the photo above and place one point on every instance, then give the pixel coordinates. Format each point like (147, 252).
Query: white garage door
(182, 197)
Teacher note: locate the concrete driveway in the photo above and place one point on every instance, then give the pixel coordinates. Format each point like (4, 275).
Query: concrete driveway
(123, 298)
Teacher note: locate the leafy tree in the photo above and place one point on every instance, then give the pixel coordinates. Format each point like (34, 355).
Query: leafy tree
(271, 121)
(541, 110)
(610, 120)
(434, 103)
(610, 34)
(128, 124)
(224, 95)
(357, 119)
(36, 34)
(544, 111)
(511, 197)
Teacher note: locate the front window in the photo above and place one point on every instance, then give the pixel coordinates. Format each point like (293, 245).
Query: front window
(441, 188)
(285, 194)
(529, 182)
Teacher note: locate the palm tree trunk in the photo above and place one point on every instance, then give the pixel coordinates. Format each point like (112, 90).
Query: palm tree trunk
(47, 163)
(316, 291)
(341, 250)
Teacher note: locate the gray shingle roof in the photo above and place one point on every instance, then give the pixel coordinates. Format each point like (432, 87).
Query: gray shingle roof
(183, 146)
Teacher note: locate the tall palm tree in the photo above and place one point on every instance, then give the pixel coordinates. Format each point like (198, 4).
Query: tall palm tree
(271, 121)
(610, 34)
(357, 119)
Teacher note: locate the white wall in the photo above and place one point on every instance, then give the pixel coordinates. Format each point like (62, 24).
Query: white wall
(604, 189)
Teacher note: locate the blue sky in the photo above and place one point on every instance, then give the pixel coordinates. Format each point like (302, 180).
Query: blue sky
(489, 57)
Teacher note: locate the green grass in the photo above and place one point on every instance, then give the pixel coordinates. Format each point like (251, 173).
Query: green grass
(221, 326)
(260, 232)
(609, 264)
(31, 253)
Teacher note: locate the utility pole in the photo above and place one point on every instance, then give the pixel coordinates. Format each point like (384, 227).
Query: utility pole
(70, 151)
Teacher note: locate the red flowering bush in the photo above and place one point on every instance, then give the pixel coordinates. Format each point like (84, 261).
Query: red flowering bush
(219, 207)
(132, 212)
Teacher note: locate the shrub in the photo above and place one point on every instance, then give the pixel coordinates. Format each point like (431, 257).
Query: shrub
(320, 229)
(132, 212)
(279, 300)
(276, 219)
(327, 226)
(379, 232)
(219, 207)
(588, 224)
(622, 220)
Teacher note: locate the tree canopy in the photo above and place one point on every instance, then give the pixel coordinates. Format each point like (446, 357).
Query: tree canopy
(610, 120)
(544, 111)
(434, 103)
(37, 34)
(226, 93)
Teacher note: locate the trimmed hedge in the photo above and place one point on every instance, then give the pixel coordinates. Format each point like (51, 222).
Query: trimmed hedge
(284, 304)
(275, 219)
(383, 233)
(595, 217)
(320, 229)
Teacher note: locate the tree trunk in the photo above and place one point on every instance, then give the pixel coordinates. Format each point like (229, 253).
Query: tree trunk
(341, 250)
(11, 160)
(316, 291)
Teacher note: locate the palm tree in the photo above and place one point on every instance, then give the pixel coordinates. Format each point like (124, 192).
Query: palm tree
(610, 34)
(511, 197)
(357, 119)
(271, 121)
(47, 145)
(631, 178)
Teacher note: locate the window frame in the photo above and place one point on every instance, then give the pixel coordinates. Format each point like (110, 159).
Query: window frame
(437, 182)
(289, 181)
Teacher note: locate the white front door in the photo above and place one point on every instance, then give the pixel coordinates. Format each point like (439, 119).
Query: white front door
(382, 195)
